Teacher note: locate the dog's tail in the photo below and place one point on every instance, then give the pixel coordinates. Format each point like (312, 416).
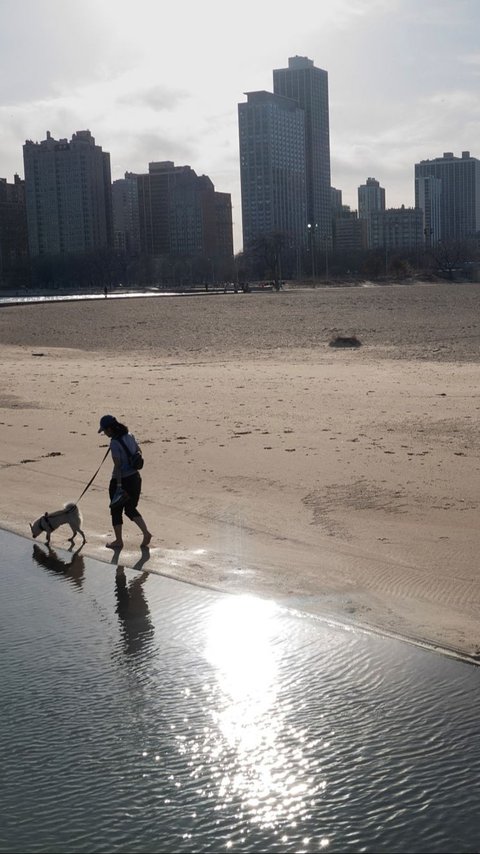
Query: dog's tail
(70, 507)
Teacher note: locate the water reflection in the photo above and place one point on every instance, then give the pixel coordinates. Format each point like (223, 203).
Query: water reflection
(234, 752)
(258, 744)
(73, 569)
(133, 610)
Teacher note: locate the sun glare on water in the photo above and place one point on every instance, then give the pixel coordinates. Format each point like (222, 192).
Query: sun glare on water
(257, 746)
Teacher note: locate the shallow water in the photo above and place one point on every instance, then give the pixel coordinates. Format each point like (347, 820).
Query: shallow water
(38, 297)
(140, 714)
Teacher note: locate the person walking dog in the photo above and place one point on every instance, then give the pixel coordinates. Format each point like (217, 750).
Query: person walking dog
(126, 482)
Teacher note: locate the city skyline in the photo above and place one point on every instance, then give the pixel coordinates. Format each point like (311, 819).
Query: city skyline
(403, 82)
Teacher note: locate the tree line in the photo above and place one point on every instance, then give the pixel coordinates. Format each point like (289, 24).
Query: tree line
(269, 258)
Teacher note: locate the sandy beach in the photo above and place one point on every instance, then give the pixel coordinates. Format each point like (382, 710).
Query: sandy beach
(339, 481)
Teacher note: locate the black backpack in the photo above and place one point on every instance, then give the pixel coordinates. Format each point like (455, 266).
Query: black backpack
(136, 459)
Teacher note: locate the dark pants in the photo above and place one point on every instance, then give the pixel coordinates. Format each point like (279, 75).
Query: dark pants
(133, 487)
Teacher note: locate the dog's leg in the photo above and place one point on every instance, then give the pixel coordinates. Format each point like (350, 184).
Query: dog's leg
(48, 538)
(83, 535)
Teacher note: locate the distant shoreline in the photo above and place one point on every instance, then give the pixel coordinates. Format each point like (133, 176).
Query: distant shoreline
(16, 297)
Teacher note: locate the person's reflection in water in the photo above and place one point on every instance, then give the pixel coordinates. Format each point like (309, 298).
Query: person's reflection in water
(133, 611)
(73, 569)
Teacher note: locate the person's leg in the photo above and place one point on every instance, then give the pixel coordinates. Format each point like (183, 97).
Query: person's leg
(134, 488)
(140, 521)
(117, 543)
(117, 520)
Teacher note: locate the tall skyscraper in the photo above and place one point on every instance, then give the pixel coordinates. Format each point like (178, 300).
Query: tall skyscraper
(371, 197)
(459, 193)
(308, 86)
(68, 195)
(272, 168)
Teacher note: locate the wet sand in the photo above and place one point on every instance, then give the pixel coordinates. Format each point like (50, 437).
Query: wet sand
(341, 481)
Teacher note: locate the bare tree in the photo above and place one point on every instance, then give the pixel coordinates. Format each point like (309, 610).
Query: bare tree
(449, 254)
(268, 250)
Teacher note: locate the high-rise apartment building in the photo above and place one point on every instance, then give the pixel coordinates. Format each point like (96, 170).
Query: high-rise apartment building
(349, 232)
(68, 195)
(181, 214)
(272, 168)
(336, 201)
(223, 226)
(428, 194)
(371, 197)
(459, 193)
(397, 229)
(308, 86)
(13, 229)
(126, 228)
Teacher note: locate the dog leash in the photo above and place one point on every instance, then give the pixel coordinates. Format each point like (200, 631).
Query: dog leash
(94, 476)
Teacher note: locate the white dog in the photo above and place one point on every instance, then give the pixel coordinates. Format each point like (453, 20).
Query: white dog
(70, 515)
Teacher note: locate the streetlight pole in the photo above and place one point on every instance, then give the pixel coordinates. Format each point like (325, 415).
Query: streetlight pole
(311, 231)
(385, 247)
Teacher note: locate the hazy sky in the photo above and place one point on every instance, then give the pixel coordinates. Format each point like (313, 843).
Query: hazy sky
(159, 80)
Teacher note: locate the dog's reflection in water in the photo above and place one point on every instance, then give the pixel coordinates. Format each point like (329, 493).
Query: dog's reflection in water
(133, 611)
(73, 569)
